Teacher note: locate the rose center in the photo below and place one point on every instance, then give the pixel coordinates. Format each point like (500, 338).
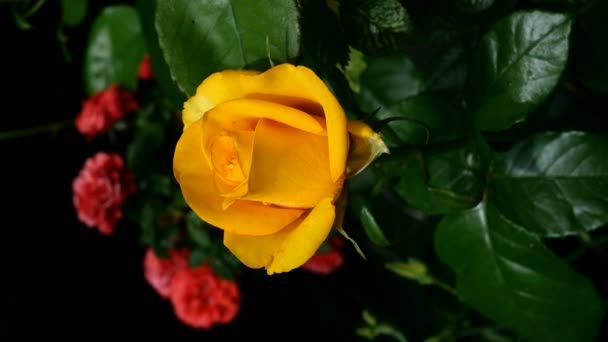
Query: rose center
(225, 160)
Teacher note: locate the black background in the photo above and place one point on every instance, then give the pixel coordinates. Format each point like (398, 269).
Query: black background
(59, 278)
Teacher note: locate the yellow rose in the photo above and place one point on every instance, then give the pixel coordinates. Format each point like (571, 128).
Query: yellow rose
(263, 156)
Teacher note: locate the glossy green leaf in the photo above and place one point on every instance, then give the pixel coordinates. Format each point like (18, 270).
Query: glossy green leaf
(201, 37)
(516, 66)
(511, 277)
(371, 227)
(172, 95)
(443, 181)
(115, 49)
(446, 71)
(73, 11)
(387, 80)
(375, 27)
(555, 184)
(421, 120)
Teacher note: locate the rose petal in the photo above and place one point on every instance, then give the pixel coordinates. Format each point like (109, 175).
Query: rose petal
(289, 248)
(197, 184)
(366, 145)
(244, 114)
(286, 82)
(290, 168)
(215, 89)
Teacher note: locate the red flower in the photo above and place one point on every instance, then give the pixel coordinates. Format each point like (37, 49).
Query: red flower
(326, 262)
(145, 69)
(103, 109)
(201, 299)
(100, 190)
(159, 272)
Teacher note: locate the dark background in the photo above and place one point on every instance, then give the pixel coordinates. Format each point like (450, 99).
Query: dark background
(59, 278)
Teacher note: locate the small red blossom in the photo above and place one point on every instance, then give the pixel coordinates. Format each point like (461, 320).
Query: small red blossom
(100, 190)
(326, 262)
(103, 109)
(201, 299)
(159, 272)
(145, 69)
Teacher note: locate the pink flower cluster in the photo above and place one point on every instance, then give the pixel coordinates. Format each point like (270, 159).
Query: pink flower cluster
(103, 109)
(200, 298)
(100, 190)
(103, 184)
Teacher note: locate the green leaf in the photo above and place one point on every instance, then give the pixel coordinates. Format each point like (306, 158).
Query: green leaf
(197, 257)
(376, 27)
(353, 69)
(386, 81)
(412, 269)
(444, 180)
(511, 277)
(158, 184)
(147, 217)
(149, 137)
(555, 184)
(115, 49)
(371, 227)
(516, 66)
(445, 71)
(74, 11)
(421, 120)
(201, 37)
(385, 219)
(173, 96)
(197, 230)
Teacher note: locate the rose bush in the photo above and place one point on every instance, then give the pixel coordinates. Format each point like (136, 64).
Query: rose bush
(264, 157)
(491, 198)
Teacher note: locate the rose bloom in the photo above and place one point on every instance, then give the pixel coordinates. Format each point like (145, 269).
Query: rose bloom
(103, 109)
(144, 72)
(326, 262)
(201, 299)
(100, 191)
(160, 271)
(264, 157)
